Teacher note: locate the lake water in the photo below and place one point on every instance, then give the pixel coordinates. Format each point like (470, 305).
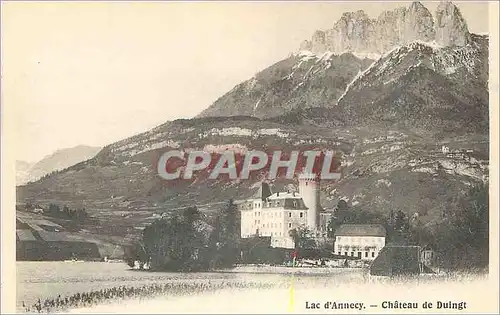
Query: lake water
(288, 292)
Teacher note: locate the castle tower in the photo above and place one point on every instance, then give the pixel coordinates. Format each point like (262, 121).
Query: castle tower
(309, 191)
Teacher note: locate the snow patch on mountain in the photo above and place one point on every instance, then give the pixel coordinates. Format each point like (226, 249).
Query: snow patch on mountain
(444, 60)
(373, 56)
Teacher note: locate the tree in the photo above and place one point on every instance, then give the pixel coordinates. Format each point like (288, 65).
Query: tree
(192, 214)
(340, 213)
(302, 238)
(173, 243)
(401, 222)
(463, 241)
(133, 253)
(355, 215)
(225, 238)
(180, 242)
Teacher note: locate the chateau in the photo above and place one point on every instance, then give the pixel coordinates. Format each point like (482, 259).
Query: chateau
(276, 214)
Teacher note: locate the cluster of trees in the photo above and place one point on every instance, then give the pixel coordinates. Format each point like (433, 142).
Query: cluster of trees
(66, 212)
(303, 238)
(186, 242)
(460, 238)
(56, 211)
(355, 215)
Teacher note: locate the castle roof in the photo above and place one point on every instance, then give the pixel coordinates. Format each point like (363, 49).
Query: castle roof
(361, 230)
(285, 195)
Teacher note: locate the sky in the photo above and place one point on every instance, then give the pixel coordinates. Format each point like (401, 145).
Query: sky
(94, 73)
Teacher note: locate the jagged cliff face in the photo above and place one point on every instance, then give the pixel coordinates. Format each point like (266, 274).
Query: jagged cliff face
(357, 32)
(451, 28)
(419, 24)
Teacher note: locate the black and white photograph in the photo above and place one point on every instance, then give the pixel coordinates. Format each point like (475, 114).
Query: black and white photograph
(266, 157)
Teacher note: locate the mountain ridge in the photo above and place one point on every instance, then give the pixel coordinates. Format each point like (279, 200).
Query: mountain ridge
(388, 119)
(56, 161)
(357, 32)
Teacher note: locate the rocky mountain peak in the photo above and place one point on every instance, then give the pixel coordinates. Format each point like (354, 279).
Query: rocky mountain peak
(356, 32)
(451, 27)
(419, 23)
(318, 42)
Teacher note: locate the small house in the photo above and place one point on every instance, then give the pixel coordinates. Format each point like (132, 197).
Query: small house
(363, 241)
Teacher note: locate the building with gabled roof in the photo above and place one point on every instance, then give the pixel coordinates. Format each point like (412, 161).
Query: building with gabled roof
(363, 241)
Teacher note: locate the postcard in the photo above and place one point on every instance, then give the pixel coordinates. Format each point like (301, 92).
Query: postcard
(318, 157)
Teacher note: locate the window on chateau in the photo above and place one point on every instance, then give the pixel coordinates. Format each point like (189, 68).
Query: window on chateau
(352, 254)
(289, 225)
(301, 214)
(373, 254)
(366, 254)
(289, 214)
(345, 253)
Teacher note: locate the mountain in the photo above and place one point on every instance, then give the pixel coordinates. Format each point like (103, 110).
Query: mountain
(423, 86)
(387, 117)
(22, 172)
(383, 169)
(357, 32)
(364, 65)
(302, 80)
(56, 161)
